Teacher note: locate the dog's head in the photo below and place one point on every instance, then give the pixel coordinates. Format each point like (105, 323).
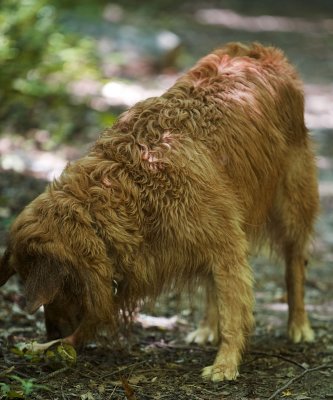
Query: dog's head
(62, 265)
(46, 281)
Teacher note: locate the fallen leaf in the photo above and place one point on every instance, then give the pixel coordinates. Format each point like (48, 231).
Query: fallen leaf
(14, 394)
(101, 389)
(290, 373)
(129, 392)
(87, 396)
(134, 380)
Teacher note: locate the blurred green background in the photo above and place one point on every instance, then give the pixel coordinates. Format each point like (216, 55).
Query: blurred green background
(57, 56)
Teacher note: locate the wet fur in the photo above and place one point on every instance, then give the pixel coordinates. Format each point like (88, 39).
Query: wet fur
(176, 192)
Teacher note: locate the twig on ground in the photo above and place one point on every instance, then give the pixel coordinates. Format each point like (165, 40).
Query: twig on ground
(298, 377)
(87, 376)
(259, 353)
(205, 390)
(191, 347)
(53, 374)
(113, 390)
(197, 397)
(122, 369)
(62, 392)
(7, 371)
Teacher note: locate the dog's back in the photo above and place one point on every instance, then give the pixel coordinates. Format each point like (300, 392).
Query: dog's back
(235, 123)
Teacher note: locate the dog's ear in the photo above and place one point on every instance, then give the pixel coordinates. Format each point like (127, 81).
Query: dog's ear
(6, 269)
(44, 280)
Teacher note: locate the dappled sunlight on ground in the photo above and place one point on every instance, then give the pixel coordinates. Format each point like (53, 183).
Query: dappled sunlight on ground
(318, 106)
(233, 20)
(127, 94)
(23, 156)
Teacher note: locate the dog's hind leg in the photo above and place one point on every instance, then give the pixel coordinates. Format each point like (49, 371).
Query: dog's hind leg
(233, 283)
(291, 227)
(299, 328)
(208, 330)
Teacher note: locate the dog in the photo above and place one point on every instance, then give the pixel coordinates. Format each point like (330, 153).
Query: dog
(177, 192)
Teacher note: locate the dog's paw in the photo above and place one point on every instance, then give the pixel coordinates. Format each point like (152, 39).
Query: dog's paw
(202, 336)
(220, 372)
(300, 333)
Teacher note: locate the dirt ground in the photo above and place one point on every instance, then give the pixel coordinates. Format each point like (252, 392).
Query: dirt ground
(155, 362)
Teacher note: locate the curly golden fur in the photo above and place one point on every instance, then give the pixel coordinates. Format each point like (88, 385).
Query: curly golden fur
(175, 193)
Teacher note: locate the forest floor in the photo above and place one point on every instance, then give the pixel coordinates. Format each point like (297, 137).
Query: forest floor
(155, 362)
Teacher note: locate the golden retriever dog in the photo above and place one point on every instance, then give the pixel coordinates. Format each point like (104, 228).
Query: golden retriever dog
(176, 193)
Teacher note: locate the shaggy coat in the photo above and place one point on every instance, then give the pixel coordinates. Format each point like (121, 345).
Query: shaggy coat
(176, 192)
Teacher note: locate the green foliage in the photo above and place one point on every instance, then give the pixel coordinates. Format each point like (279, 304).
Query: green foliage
(38, 61)
(25, 30)
(4, 389)
(59, 355)
(20, 388)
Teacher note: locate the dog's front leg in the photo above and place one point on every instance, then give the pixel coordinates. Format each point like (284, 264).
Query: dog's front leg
(234, 296)
(83, 332)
